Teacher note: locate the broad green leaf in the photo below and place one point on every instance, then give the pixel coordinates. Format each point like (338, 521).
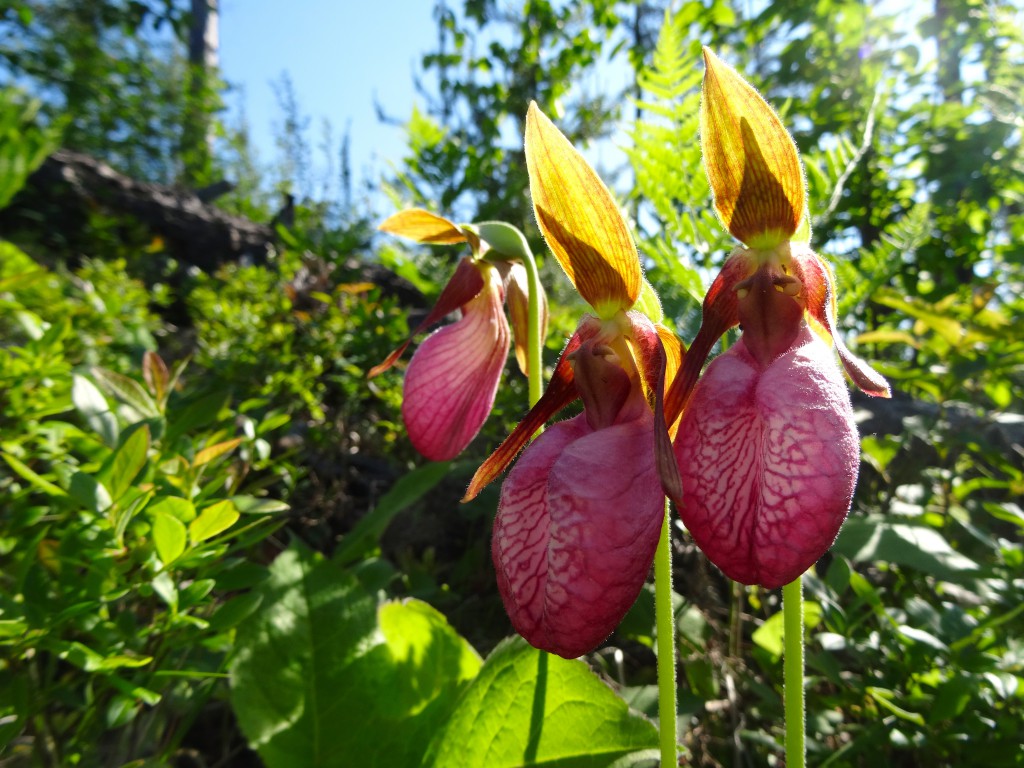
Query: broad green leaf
(529, 708)
(175, 506)
(771, 634)
(323, 677)
(407, 490)
(128, 461)
(89, 492)
(198, 413)
(213, 520)
(168, 536)
(128, 391)
(924, 549)
(952, 697)
(95, 409)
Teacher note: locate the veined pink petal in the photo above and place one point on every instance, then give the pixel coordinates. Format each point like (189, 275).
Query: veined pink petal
(452, 379)
(576, 530)
(769, 460)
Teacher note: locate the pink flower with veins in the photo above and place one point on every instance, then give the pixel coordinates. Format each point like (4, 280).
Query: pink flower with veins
(767, 447)
(582, 510)
(453, 377)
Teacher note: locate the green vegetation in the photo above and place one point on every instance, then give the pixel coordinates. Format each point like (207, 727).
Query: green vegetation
(217, 546)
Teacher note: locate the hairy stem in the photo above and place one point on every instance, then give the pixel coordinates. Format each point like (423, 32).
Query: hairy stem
(666, 639)
(793, 672)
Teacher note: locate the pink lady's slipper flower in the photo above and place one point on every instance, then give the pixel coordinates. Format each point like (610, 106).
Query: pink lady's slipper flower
(582, 510)
(767, 447)
(452, 378)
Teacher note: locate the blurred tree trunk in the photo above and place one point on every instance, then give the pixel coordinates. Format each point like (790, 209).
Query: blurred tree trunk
(197, 132)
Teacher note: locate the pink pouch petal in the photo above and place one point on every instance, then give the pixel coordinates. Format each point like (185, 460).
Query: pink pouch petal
(452, 379)
(769, 461)
(578, 523)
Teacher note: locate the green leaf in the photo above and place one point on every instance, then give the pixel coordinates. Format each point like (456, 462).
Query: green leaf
(27, 473)
(321, 677)
(250, 505)
(885, 698)
(770, 635)
(95, 409)
(198, 413)
(168, 536)
(952, 698)
(128, 461)
(924, 549)
(128, 391)
(89, 492)
(213, 520)
(175, 506)
(529, 708)
(407, 490)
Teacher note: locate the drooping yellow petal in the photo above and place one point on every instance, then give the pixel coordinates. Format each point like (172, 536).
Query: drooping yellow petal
(751, 160)
(579, 219)
(423, 227)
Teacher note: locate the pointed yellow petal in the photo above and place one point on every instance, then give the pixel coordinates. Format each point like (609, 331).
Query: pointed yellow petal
(423, 227)
(751, 160)
(579, 219)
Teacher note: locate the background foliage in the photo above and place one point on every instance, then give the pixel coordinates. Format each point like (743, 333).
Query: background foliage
(217, 547)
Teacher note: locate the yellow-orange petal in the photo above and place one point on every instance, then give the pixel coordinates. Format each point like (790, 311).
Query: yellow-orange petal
(426, 227)
(580, 220)
(751, 160)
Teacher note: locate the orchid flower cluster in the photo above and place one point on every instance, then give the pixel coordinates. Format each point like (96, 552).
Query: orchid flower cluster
(759, 453)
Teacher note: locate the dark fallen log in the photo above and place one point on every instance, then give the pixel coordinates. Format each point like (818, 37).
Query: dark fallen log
(197, 232)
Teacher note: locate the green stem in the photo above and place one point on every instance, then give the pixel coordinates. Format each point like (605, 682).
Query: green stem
(534, 343)
(793, 672)
(666, 639)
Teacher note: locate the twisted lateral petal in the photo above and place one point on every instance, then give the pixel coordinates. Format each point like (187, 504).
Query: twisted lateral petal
(576, 530)
(649, 341)
(579, 219)
(769, 460)
(517, 297)
(452, 379)
(721, 312)
(821, 305)
(751, 160)
(465, 285)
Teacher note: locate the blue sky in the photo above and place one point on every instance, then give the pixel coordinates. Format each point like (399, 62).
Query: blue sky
(340, 55)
